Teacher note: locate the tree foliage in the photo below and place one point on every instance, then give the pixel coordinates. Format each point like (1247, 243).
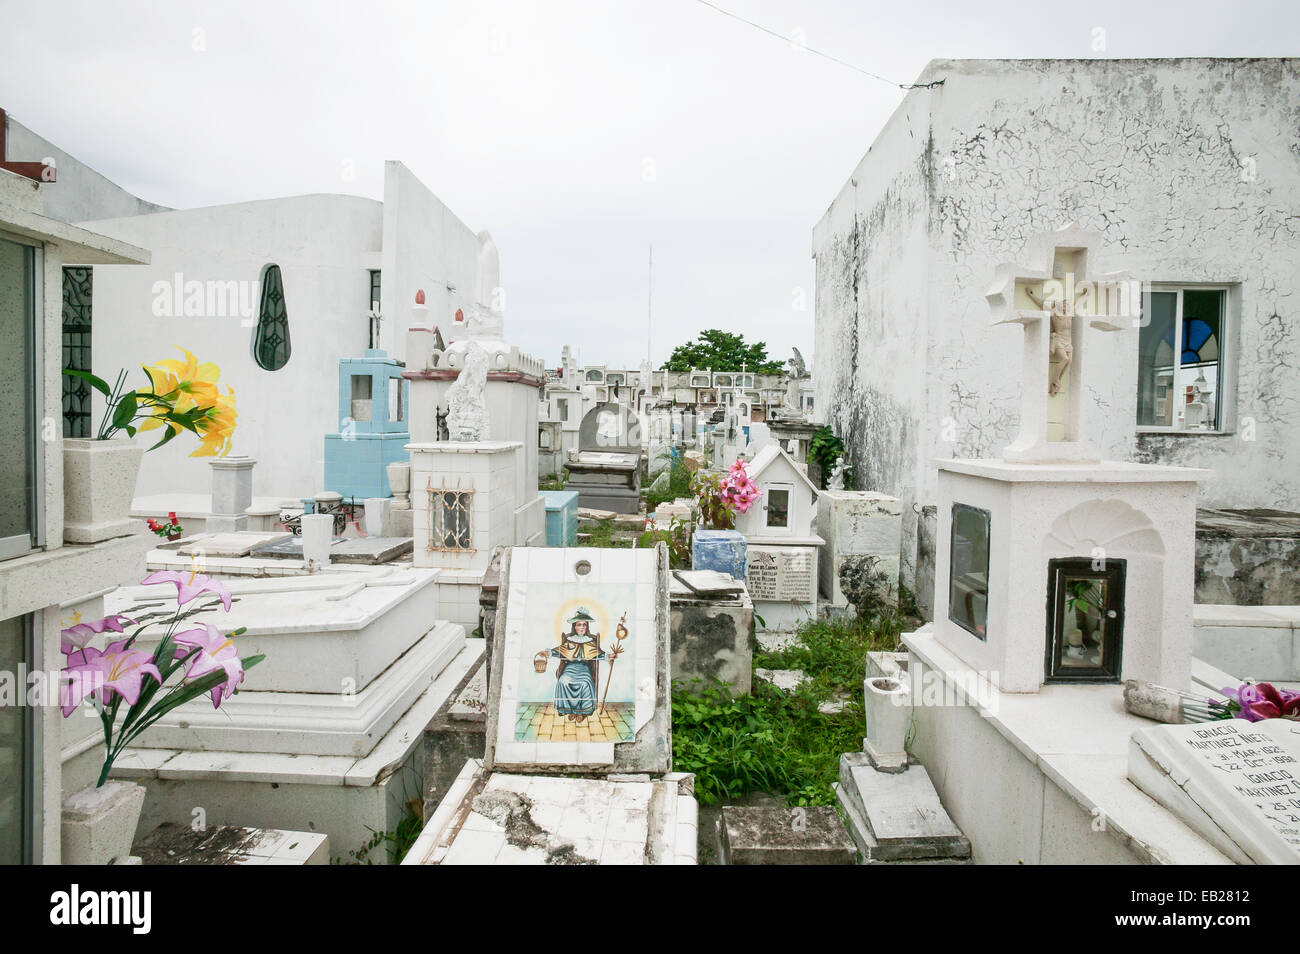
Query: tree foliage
(722, 351)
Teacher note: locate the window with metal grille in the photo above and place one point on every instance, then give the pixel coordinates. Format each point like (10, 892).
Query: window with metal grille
(77, 288)
(449, 519)
(271, 339)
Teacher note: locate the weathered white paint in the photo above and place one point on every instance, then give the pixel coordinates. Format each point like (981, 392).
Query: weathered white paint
(1188, 168)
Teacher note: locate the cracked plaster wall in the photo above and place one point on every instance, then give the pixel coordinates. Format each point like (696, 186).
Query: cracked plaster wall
(1190, 170)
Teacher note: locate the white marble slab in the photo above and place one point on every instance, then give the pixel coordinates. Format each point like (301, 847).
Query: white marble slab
(1235, 782)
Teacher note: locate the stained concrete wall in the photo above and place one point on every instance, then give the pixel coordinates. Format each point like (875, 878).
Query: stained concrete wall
(1188, 168)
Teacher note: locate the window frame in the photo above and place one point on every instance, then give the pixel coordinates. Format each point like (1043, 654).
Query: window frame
(788, 487)
(1225, 397)
(987, 517)
(21, 544)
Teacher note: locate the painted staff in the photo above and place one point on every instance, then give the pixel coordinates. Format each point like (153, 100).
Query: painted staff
(620, 634)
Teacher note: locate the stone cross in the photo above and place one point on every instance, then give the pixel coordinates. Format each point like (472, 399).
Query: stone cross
(1046, 301)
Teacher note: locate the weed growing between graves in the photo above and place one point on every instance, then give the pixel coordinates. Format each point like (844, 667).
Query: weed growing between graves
(601, 534)
(679, 485)
(778, 742)
(554, 482)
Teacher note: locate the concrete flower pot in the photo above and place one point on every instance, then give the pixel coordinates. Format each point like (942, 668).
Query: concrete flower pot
(889, 713)
(98, 484)
(99, 823)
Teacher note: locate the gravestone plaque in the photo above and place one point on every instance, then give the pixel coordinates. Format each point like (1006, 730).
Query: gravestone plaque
(580, 670)
(1235, 782)
(781, 574)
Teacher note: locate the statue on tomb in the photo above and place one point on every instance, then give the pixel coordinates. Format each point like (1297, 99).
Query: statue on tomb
(1061, 344)
(467, 414)
(839, 474)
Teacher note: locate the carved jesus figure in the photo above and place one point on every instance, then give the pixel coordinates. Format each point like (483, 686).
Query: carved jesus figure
(1061, 344)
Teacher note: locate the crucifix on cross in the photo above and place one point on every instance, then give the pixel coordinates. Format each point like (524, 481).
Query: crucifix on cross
(1045, 301)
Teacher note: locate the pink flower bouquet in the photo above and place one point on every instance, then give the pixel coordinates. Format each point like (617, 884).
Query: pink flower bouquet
(185, 664)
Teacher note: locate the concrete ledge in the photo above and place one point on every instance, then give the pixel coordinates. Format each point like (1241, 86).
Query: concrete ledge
(1258, 642)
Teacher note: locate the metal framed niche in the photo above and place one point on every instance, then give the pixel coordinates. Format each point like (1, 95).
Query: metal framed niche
(1085, 620)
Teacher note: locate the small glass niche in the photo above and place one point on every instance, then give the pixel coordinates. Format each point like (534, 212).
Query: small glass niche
(968, 569)
(1085, 620)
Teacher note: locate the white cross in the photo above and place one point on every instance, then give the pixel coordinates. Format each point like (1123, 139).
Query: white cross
(1109, 304)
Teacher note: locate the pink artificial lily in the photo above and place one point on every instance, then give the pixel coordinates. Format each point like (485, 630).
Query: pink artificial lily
(215, 651)
(76, 637)
(190, 585)
(117, 669)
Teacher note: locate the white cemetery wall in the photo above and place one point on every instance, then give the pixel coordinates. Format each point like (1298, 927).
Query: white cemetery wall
(425, 246)
(320, 243)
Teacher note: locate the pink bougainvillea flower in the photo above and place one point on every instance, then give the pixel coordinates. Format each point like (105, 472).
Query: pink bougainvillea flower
(190, 585)
(76, 637)
(215, 651)
(117, 670)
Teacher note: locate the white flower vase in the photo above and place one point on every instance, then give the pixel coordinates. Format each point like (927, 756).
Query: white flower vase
(98, 484)
(889, 714)
(399, 482)
(99, 823)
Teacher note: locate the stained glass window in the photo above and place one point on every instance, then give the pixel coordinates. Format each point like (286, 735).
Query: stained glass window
(77, 287)
(1180, 358)
(271, 340)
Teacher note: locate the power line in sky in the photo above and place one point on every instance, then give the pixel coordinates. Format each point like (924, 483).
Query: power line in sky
(833, 59)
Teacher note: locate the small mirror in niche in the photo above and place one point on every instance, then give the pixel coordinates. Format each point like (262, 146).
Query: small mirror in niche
(968, 569)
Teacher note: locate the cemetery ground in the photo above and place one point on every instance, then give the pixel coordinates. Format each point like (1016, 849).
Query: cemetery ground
(777, 746)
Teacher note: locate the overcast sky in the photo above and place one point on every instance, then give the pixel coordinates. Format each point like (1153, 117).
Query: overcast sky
(578, 133)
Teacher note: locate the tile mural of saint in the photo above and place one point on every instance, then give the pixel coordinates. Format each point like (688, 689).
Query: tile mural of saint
(577, 689)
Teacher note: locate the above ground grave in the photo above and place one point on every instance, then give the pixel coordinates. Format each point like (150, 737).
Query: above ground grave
(579, 686)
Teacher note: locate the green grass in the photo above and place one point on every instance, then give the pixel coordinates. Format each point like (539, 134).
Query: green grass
(601, 534)
(777, 742)
(679, 485)
(555, 481)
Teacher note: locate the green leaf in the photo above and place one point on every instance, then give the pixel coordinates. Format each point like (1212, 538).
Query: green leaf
(124, 413)
(97, 383)
(167, 436)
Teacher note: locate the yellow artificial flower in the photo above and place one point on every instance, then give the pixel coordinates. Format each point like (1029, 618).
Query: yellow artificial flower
(218, 427)
(186, 384)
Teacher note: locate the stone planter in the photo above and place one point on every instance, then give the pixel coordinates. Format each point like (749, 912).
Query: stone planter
(98, 484)
(889, 714)
(99, 823)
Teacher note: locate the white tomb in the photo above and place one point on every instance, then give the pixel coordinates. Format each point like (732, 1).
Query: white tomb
(782, 546)
(1058, 575)
(325, 734)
